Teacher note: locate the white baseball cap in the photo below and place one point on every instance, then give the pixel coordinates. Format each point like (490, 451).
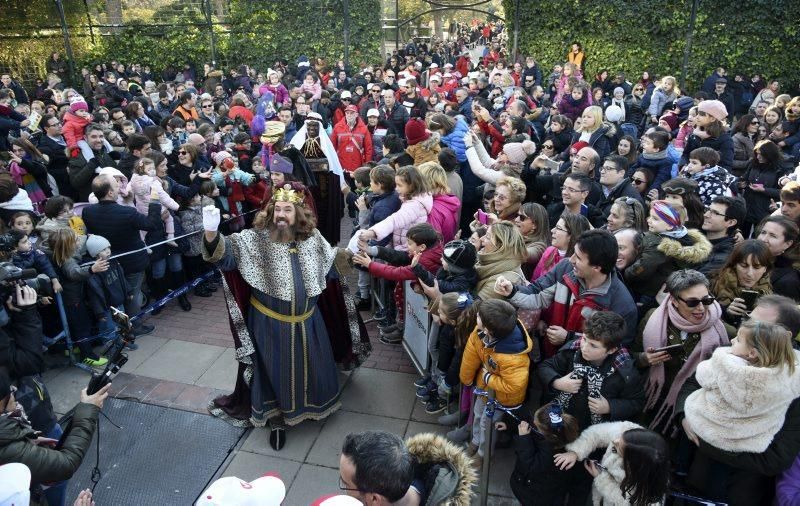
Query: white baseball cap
(231, 491)
(373, 112)
(436, 77)
(345, 94)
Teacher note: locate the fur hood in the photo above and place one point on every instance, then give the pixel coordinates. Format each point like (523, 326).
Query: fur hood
(693, 249)
(740, 407)
(453, 486)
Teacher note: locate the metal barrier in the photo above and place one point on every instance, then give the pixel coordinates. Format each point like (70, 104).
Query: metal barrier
(65, 336)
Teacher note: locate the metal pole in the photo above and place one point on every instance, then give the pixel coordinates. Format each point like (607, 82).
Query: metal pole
(516, 33)
(487, 454)
(346, 23)
(688, 48)
(397, 25)
(67, 43)
(212, 37)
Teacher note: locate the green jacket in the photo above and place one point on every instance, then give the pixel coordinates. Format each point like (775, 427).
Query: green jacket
(46, 464)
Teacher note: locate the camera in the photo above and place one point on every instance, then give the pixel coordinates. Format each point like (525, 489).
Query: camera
(11, 276)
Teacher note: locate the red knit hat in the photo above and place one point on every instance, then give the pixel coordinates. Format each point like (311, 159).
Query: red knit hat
(579, 145)
(416, 131)
(671, 120)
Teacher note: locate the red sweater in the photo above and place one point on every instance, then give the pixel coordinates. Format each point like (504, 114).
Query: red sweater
(431, 260)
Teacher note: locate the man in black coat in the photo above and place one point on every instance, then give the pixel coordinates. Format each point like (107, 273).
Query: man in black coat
(81, 170)
(51, 143)
(615, 184)
(121, 225)
(726, 97)
(721, 221)
(20, 94)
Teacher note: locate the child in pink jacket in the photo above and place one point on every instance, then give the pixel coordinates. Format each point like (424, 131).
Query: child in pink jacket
(311, 85)
(143, 178)
(416, 204)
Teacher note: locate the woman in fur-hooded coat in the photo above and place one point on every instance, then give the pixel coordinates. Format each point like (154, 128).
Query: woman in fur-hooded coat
(449, 475)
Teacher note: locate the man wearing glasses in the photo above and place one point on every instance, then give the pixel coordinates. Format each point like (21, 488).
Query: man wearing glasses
(373, 100)
(720, 224)
(573, 201)
(615, 184)
(51, 143)
(378, 469)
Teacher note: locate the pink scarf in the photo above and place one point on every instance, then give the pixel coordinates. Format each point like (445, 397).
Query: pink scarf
(712, 335)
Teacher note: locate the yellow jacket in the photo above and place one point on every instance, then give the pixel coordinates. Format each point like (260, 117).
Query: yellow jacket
(503, 367)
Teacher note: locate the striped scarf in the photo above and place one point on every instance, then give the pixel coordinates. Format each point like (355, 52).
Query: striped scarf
(27, 182)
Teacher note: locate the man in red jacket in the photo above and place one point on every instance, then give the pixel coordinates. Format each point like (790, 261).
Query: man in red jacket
(352, 140)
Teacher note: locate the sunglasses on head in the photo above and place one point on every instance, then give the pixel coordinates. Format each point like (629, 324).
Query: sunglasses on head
(706, 301)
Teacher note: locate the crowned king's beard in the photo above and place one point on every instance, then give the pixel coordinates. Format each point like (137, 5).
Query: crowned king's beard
(281, 234)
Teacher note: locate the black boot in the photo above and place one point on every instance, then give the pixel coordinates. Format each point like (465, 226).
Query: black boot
(175, 281)
(158, 289)
(277, 434)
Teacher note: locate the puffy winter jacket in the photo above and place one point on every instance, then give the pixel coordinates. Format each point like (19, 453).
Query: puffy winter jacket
(430, 260)
(455, 140)
(411, 212)
(722, 145)
(444, 215)
(502, 366)
(47, 464)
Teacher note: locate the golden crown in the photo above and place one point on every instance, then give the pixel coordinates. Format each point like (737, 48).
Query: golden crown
(287, 194)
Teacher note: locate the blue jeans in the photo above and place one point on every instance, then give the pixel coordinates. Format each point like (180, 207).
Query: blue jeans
(107, 328)
(134, 303)
(56, 494)
(159, 267)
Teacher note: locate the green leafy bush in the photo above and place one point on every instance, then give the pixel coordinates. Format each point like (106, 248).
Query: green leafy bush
(623, 35)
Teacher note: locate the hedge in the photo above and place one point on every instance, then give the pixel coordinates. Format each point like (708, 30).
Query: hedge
(749, 36)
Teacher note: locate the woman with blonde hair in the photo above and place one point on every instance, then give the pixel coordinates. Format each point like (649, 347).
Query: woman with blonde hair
(446, 206)
(663, 95)
(502, 253)
(594, 132)
(509, 193)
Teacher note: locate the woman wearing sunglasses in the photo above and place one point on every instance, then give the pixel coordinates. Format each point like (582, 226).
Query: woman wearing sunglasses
(689, 324)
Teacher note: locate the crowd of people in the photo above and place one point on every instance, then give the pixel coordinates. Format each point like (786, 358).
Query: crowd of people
(615, 258)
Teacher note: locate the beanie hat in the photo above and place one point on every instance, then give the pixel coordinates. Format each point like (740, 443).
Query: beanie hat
(15, 482)
(579, 145)
(666, 213)
(220, 156)
(685, 103)
(614, 113)
(714, 108)
(416, 131)
(517, 152)
(95, 244)
(78, 105)
(620, 89)
(460, 254)
(277, 163)
(671, 120)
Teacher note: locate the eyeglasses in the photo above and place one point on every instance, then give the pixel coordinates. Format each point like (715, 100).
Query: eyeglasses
(499, 196)
(714, 212)
(181, 152)
(638, 89)
(346, 99)
(561, 229)
(706, 301)
(638, 181)
(343, 486)
(375, 91)
(755, 122)
(572, 190)
(208, 106)
(606, 168)
(547, 146)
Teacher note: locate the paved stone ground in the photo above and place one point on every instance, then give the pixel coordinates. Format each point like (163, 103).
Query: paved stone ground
(189, 360)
